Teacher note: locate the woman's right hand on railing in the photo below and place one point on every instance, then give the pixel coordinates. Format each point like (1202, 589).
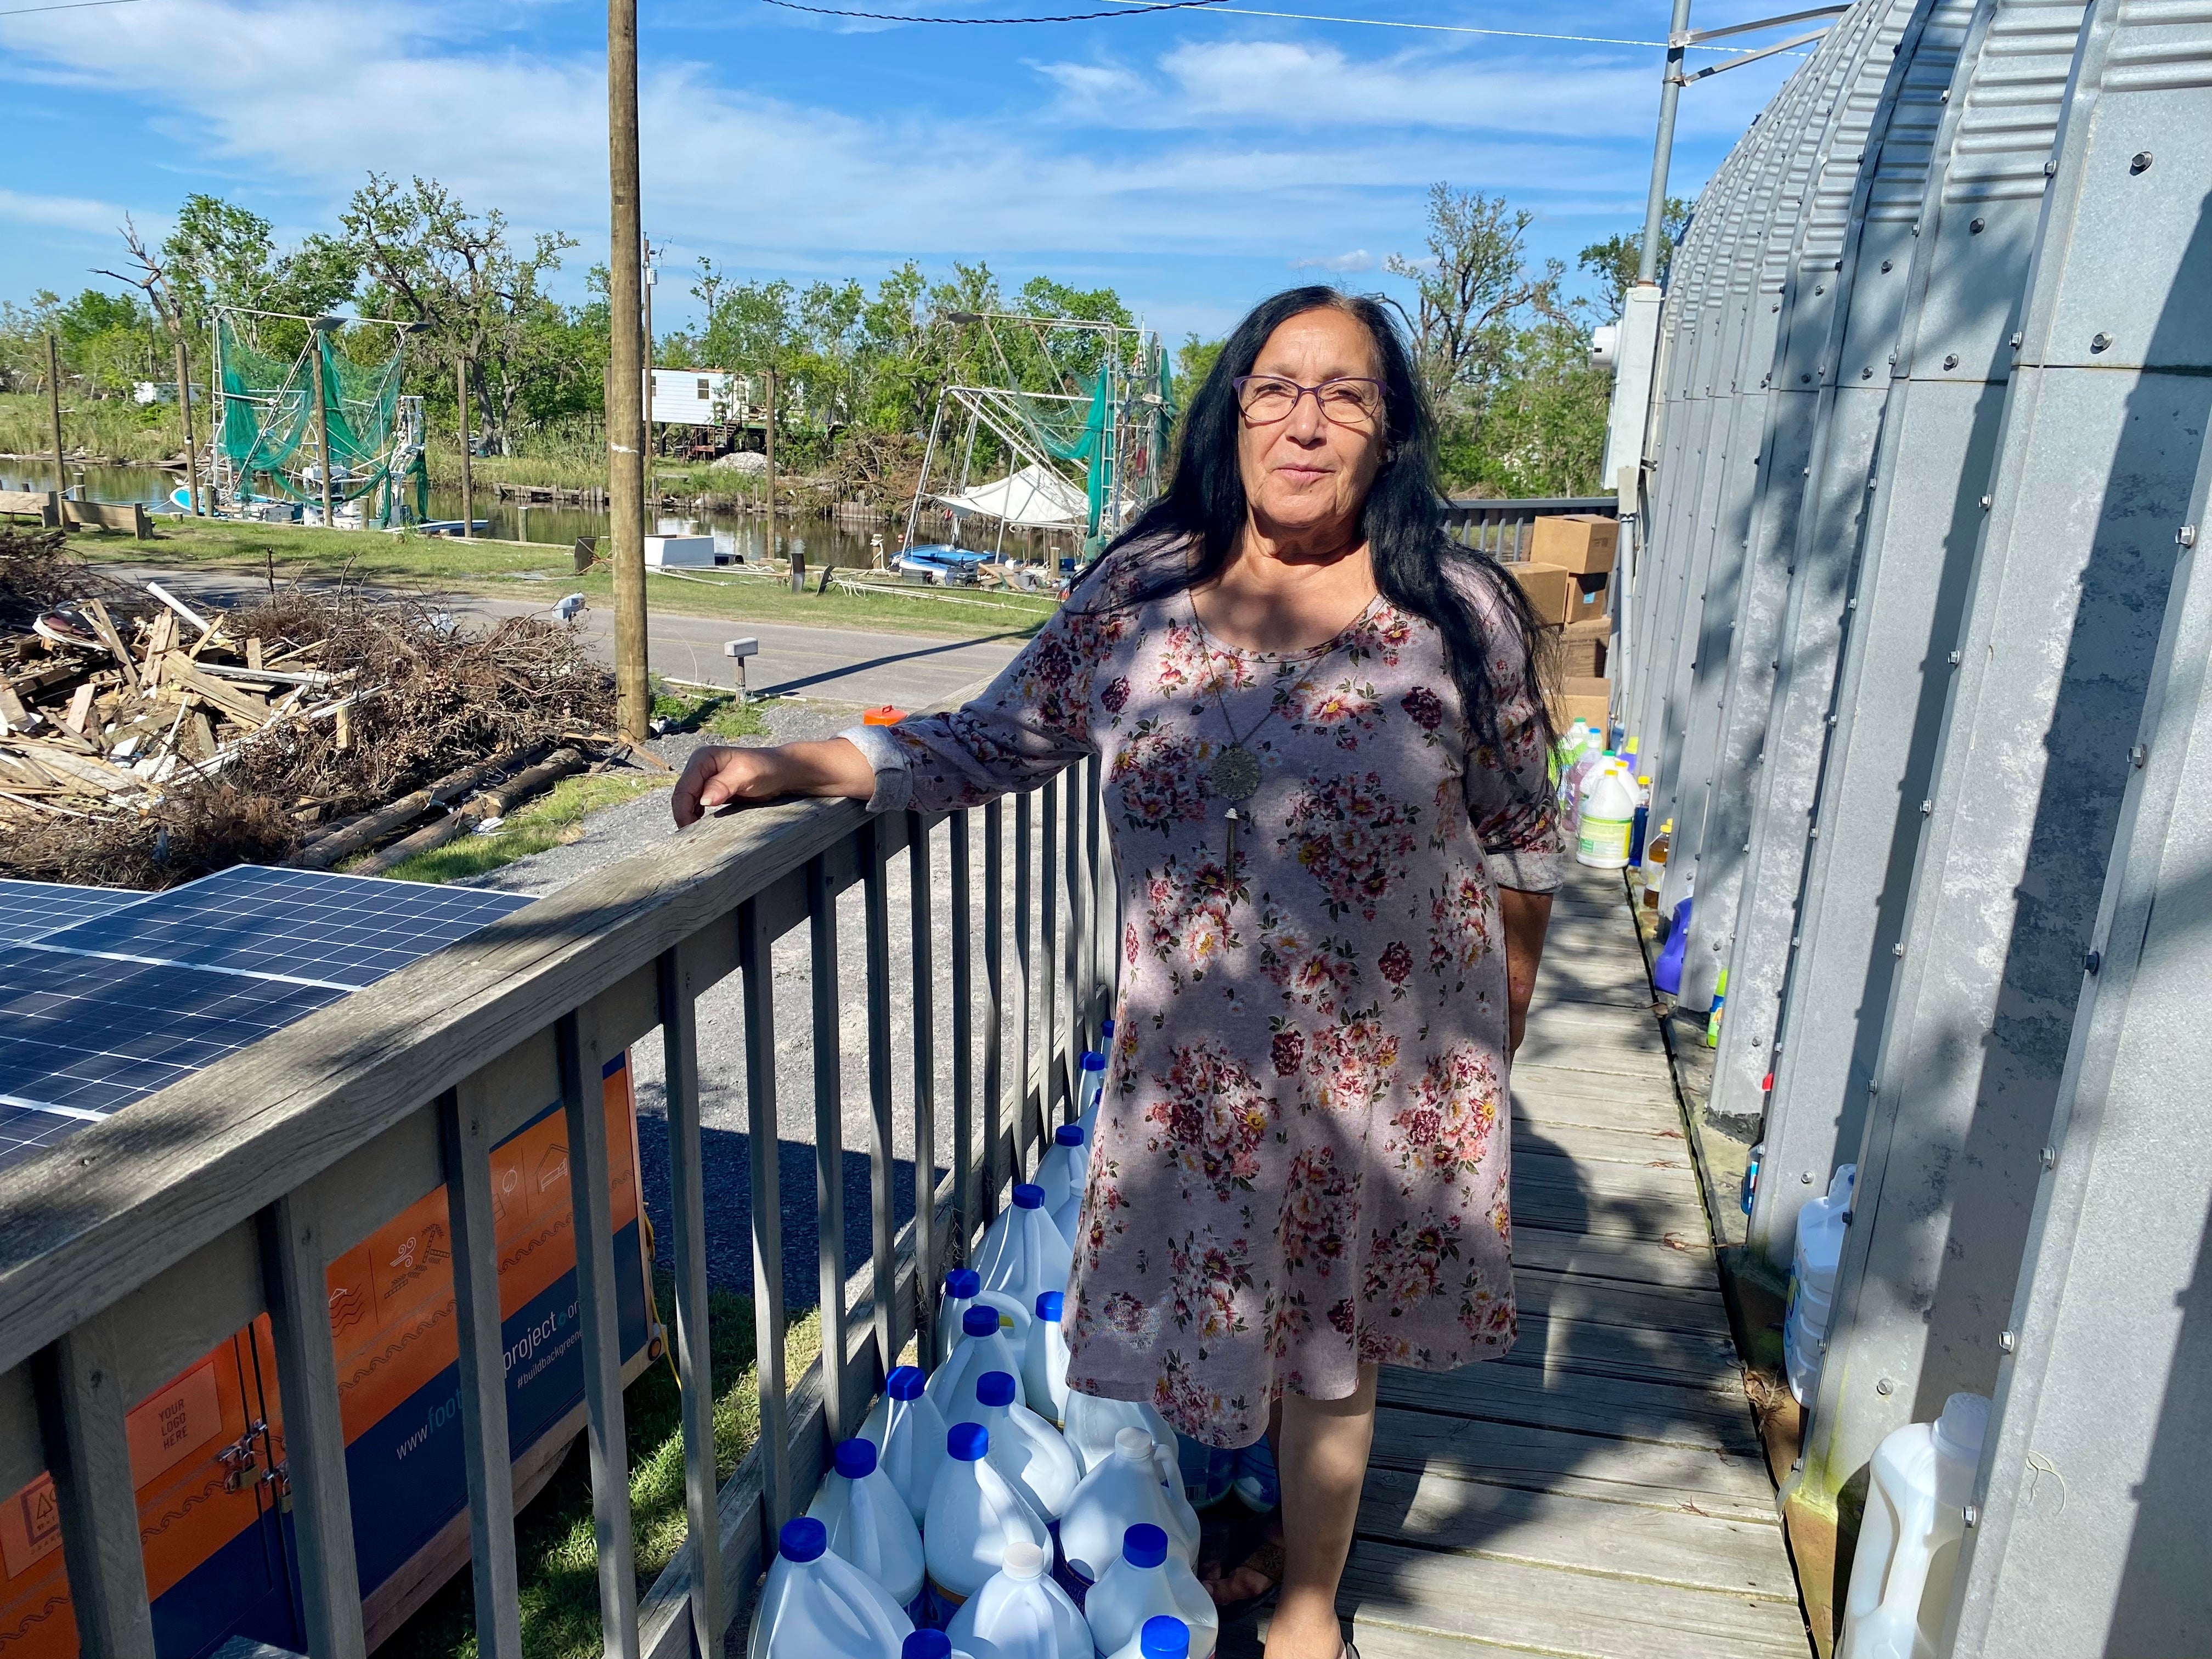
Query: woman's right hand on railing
(716, 776)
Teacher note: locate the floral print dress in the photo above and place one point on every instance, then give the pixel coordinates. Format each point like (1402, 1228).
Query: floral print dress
(1301, 1157)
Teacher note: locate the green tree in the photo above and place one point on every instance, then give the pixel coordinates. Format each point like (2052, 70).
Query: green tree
(1476, 292)
(1615, 261)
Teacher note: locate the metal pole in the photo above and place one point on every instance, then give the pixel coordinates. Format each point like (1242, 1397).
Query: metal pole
(185, 411)
(1663, 148)
(648, 277)
(54, 407)
(625, 377)
(468, 481)
(323, 425)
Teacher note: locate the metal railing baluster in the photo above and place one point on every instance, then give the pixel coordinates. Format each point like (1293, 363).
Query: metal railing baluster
(874, 865)
(1075, 947)
(762, 1127)
(829, 1129)
(1048, 957)
(583, 1101)
(295, 1265)
(695, 1371)
(925, 1082)
(964, 1046)
(994, 1080)
(464, 1150)
(1024, 855)
(81, 1418)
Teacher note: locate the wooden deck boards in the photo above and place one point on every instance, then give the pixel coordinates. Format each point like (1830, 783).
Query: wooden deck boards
(1599, 1492)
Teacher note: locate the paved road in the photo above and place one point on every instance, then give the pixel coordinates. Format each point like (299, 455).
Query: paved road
(840, 665)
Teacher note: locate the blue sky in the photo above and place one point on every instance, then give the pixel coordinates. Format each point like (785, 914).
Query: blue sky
(1195, 161)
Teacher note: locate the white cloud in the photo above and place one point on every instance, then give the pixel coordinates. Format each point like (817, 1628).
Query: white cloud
(1343, 265)
(59, 212)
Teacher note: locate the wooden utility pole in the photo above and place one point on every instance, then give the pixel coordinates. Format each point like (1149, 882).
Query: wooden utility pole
(184, 410)
(625, 376)
(54, 406)
(468, 479)
(323, 425)
(798, 559)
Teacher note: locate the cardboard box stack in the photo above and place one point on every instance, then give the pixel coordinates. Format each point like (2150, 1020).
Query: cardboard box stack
(1568, 578)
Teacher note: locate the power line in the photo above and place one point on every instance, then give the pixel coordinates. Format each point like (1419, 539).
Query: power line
(908, 17)
(1437, 28)
(71, 5)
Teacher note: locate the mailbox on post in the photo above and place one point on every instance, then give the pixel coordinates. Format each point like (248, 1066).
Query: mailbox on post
(739, 650)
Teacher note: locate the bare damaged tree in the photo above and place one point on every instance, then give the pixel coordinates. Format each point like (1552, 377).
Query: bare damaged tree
(1477, 293)
(153, 279)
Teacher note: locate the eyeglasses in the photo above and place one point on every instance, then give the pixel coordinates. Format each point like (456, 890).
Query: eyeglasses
(1266, 398)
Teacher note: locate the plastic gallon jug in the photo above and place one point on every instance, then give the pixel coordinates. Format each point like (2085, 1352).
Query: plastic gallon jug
(1068, 1219)
(869, 1524)
(1091, 1423)
(1065, 1166)
(1122, 1491)
(1024, 1253)
(1025, 1448)
(1149, 1580)
(1607, 818)
(1667, 972)
(1820, 1226)
(973, 1516)
(1044, 1362)
(816, 1603)
(1091, 1085)
(1922, 1476)
(963, 1289)
(1713, 1015)
(1020, 1614)
(931, 1644)
(913, 1453)
(984, 1347)
(1163, 1637)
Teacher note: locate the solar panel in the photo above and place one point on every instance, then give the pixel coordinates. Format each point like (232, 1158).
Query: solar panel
(309, 927)
(31, 909)
(134, 995)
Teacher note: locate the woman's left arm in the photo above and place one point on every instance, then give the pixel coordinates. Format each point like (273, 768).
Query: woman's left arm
(1526, 915)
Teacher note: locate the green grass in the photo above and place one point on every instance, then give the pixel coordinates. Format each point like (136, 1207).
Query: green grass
(551, 819)
(718, 713)
(443, 564)
(554, 1549)
(107, 426)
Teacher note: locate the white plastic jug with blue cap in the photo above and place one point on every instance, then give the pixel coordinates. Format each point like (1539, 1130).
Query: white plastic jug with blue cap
(963, 1289)
(932, 1644)
(1149, 1580)
(1044, 1362)
(912, 1438)
(1089, 1424)
(984, 1347)
(815, 1603)
(1090, 1087)
(1122, 1491)
(869, 1521)
(1025, 1448)
(1162, 1637)
(1920, 1481)
(1065, 1166)
(1821, 1226)
(974, 1514)
(1020, 1614)
(1024, 1253)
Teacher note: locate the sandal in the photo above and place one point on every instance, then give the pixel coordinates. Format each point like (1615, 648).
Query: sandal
(1268, 1562)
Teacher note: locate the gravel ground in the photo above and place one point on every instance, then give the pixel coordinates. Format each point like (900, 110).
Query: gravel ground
(639, 825)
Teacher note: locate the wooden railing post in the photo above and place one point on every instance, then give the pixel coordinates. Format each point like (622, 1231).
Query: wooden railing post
(81, 1418)
(829, 1132)
(760, 1131)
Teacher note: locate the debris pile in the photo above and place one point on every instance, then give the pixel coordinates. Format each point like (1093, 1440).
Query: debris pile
(146, 738)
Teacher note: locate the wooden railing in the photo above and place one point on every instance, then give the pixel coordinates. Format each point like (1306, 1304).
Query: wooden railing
(150, 1236)
(1502, 528)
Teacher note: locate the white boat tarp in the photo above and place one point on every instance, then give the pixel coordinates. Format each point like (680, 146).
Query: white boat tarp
(1033, 497)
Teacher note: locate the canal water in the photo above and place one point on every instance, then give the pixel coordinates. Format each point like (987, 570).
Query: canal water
(738, 535)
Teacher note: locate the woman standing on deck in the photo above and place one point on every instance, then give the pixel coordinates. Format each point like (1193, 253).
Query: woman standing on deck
(1325, 762)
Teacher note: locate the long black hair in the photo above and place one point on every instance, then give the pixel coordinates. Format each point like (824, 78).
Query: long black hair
(1192, 530)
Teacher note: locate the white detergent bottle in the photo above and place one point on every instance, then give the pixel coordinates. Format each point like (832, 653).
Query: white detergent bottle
(1065, 1166)
(1149, 1580)
(1922, 1476)
(913, 1438)
(1607, 818)
(984, 1347)
(1163, 1638)
(1044, 1363)
(973, 1516)
(1025, 1448)
(1091, 1423)
(1024, 1253)
(1021, 1614)
(869, 1524)
(1123, 1491)
(963, 1289)
(817, 1603)
(1091, 1086)
(1820, 1227)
